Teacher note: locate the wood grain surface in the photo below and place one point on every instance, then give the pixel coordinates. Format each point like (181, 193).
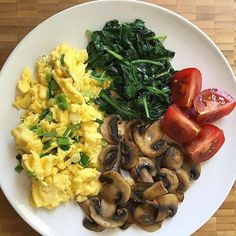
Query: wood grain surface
(216, 17)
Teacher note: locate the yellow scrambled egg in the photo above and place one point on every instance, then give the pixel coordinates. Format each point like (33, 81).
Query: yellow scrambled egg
(58, 134)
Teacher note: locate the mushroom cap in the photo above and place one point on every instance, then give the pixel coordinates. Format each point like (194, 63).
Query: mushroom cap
(173, 158)
(109, 129)
(169, 179)
(162, 214)
(144, 171)
(90, 224)
(168, 201)
(156, 190)
(151, 228)
(115, 188)
(113, 221)
(144, 214)
(192, 168)
(184, 181)
(128, 152)
(147, 139)
(130, 126)
(108, 157)
(179, 195)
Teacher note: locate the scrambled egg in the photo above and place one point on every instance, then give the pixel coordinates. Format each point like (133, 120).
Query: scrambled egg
(58, 134)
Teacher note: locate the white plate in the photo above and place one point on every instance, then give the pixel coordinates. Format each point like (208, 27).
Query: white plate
(193, 49)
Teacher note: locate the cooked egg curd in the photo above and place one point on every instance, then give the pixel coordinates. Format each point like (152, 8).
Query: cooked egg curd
(58, 135)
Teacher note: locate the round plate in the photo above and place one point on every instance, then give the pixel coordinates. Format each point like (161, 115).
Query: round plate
(193, 49)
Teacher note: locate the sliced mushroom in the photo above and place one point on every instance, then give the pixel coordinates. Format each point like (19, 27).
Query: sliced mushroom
(108, 157)
(192, 168)
(85, 206)
(172, 158)
(116, 220)
(162, 214)
(126, 175)
(130, 206)
(109, 129)
(90, 224)
(151, 228)
(169, 179)
(148, 139)
(184, 181)
(130, 126)
(179, 195)
(144, 214)
(156, 190)
(168, 201)
(115, 188)
(128, 154)
(144, 171)
(138, 190)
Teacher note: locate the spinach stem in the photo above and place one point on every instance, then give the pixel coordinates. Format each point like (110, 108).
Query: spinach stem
(145, 106)
(147, 62)
(117, 56)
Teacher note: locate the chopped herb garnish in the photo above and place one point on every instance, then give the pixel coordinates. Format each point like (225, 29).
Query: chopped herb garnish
(65, 147)
(62, 60)
(18, 157)
(63, 141)
(70, 130)
(77, 139)
(48, 77)
(43, 155)
(47, 144)
(45, 113)
(99, 121)
(53, 85)
(38, 130)
(19, 168)
(62, 102)
(50, 134)
(84, 159)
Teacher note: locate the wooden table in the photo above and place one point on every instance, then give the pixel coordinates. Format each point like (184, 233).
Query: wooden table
(216, 17)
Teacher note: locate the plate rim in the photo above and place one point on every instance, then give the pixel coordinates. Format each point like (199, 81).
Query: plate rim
(27, 219)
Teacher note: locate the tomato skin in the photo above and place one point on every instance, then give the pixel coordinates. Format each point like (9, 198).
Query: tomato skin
(177, 126)
(213, 104)
(185, 85)
(206, 144)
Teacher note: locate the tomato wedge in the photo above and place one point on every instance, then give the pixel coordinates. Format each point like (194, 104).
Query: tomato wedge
(213, 104)
(185, 85)
(177, 126)
(206, 144)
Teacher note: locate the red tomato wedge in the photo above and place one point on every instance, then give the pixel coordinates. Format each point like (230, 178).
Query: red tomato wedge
(185, 85)
(206, 144)
(213, 104)
(177, 126)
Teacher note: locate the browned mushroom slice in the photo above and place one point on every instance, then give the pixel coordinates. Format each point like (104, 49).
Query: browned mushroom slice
(130, 206)
(184, 181)
(148, 139)
(192, 168)
(162, 214)
(85, 206)
(109, 221)
(109, 129)
(179, 195)
(145, 214)
(128, 154)
(168, 201)
(144, 171)
(108, 157)
(130, 126)
(115, 188)
(156, 190)
(169, 179)
(138, 190)
(90, 224)
(172, 158)
(151, 228)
